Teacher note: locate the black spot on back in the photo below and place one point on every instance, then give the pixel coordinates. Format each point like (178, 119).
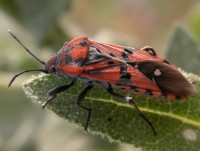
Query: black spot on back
(125, 76)
(126, 53)
(123, 68)
(68, 60)
(112, 55)
(127, 50)
(110, 63)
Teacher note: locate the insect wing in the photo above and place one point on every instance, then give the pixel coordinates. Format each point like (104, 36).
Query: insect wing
(125, 54)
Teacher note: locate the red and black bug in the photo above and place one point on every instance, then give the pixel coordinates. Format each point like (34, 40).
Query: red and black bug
(114, 67)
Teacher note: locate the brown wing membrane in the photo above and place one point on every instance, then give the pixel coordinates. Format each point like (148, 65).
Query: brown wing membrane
(168, 79)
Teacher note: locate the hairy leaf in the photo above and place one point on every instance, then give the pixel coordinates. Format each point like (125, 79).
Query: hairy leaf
(177, 122)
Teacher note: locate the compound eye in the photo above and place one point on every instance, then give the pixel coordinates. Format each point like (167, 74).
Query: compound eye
(150, 50)
(52, 69)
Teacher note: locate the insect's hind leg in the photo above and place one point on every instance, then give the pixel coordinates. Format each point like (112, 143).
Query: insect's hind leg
(53, 92)
(132, 102)
(80, 99)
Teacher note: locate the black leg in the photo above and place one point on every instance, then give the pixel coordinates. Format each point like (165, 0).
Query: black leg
(53, 92)
(132, 102)
(80, 100)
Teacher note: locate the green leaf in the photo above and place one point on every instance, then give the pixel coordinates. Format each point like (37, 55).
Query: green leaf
(183, 50)
(177, 122)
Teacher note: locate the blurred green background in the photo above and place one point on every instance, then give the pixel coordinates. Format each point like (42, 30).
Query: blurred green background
(43, 26)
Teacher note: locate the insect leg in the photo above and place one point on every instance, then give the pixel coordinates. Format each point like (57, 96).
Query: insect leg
(80, 99)
(132, 102)
(53, 92)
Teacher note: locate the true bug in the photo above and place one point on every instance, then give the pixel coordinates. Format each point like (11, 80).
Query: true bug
(113, 67)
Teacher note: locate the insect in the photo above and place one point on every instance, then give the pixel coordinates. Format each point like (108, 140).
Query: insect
(113, 67)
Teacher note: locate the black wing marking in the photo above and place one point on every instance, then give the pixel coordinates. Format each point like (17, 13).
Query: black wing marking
(168, 79)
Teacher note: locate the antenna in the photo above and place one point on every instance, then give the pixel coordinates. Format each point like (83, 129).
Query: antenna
(27, 50)
(13, 79)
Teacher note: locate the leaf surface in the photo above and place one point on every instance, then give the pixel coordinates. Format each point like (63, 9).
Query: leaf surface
(177, 122)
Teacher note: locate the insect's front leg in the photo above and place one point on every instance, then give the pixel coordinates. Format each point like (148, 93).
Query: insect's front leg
(53, 92)
(80, 99)
(132, 102)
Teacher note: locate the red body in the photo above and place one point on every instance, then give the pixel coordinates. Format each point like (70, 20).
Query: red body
(137, 70)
